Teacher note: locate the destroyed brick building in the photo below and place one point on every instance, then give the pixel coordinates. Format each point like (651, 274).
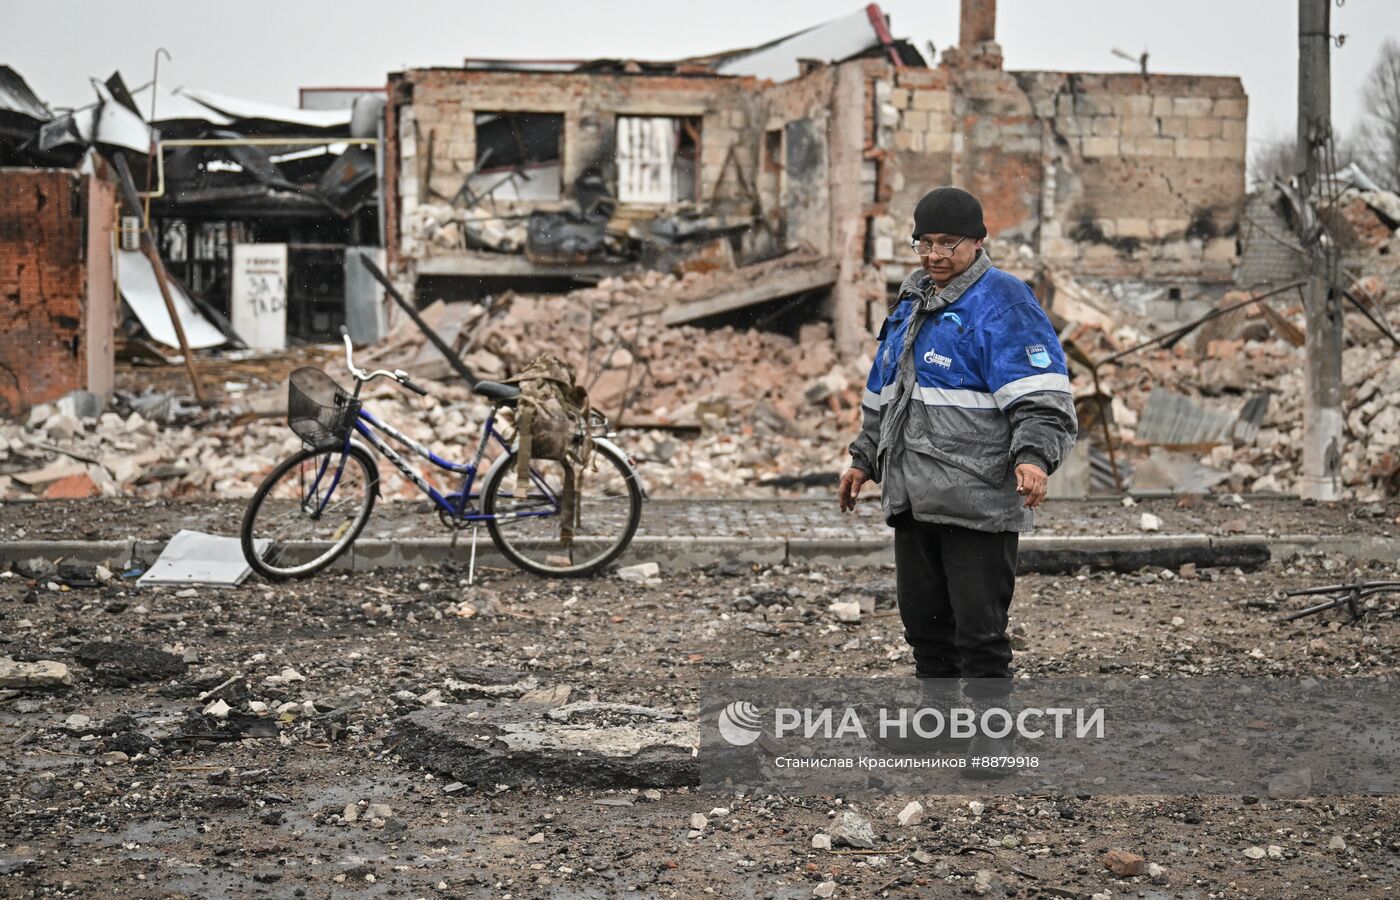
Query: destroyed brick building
(819, 143)
(204, 175)
(58, 312)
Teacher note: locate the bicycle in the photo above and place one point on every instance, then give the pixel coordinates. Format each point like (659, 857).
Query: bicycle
(313, 505)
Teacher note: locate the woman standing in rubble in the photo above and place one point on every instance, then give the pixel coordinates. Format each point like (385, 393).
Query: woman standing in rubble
(968, 389)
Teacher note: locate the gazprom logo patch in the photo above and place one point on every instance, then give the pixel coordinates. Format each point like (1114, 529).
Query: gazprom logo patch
(934, 358)
(740, 723)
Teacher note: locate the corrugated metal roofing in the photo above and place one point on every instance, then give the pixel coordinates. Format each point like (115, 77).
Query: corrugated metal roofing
(17, 97)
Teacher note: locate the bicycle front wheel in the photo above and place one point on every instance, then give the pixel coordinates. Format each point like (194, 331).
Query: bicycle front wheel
(309, 510)
(528, 526)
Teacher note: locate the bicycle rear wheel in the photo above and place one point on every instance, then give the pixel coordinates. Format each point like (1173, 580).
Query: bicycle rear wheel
(310, 509)
(528, 529)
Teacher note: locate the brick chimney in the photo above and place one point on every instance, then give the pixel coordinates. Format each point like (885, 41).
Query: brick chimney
(977, 37)
(978, 23)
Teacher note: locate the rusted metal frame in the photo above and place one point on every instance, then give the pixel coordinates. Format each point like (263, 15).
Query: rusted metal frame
(1107, 436)
(1173, 335)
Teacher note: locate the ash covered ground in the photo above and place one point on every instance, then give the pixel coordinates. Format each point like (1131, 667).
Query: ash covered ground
(122, 785)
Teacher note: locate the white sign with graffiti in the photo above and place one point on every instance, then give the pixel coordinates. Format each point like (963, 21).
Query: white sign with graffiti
(259, 302)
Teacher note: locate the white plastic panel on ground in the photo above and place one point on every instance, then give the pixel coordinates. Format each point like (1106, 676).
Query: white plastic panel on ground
(193, 557)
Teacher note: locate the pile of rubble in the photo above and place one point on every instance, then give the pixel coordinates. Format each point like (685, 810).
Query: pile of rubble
(727, 412)
(708, 412)
(1223, 407)
(60, 455)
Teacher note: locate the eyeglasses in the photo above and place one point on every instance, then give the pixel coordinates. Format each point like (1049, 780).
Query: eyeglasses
(942, 248)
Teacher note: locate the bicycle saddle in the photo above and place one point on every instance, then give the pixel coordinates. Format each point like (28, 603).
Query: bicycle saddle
(504, 394)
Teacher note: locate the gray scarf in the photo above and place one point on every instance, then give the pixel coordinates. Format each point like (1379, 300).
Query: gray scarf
(930, 300)
(920, 284)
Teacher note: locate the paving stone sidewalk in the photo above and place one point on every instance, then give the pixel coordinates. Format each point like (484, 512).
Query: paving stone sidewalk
(808, 518)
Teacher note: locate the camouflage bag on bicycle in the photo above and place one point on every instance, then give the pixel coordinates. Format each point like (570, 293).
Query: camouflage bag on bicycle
(551, 423)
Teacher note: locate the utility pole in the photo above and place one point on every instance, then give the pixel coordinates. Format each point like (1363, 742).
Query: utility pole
(1322, 392)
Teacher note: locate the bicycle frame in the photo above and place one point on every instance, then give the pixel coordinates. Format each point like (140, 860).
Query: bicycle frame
(456, 505)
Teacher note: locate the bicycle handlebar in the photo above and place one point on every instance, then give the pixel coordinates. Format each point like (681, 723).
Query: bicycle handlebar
(363, 376)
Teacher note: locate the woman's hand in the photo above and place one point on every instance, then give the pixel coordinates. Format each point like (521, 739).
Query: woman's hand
(1031, 482)
(849, 488)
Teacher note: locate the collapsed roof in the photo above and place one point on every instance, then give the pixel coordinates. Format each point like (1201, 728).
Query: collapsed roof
(862, 33)
(324, 169)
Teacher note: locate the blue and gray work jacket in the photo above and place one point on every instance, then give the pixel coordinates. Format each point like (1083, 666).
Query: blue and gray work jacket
(968, 383)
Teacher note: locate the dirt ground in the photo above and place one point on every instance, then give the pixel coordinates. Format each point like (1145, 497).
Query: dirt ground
(149, 798)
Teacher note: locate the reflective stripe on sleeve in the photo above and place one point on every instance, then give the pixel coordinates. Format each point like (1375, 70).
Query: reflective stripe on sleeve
(1014, 390)
(876, 401)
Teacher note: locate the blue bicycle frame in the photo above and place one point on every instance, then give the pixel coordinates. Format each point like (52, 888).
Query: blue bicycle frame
(456, 505)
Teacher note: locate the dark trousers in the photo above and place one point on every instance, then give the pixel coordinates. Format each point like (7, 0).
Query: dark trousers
(954, 586)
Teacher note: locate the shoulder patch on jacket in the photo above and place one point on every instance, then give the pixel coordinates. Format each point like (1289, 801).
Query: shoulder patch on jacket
(1039, 357)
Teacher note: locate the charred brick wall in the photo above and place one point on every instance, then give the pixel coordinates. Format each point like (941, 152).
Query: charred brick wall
(1149, 173)
(1112, 176)
(1115, 176)
(434, 140)
(45, 320)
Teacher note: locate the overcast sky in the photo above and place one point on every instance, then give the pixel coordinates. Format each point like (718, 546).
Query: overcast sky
(265, 51)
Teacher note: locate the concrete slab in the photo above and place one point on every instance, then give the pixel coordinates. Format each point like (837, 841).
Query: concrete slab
(589, 744)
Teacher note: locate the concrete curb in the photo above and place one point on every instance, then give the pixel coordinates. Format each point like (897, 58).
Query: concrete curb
(1370, 547)
(1046, 554)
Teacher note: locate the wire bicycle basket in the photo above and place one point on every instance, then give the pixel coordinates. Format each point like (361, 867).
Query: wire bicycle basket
(319, 411)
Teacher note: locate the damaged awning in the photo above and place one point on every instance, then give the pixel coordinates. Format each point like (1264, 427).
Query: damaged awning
(141, 292)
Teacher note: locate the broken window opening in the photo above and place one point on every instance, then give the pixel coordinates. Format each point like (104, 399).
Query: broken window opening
(773, 150)
(518, 157)
(657, 158)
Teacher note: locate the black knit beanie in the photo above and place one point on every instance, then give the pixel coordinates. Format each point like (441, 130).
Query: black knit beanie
(949, 210)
